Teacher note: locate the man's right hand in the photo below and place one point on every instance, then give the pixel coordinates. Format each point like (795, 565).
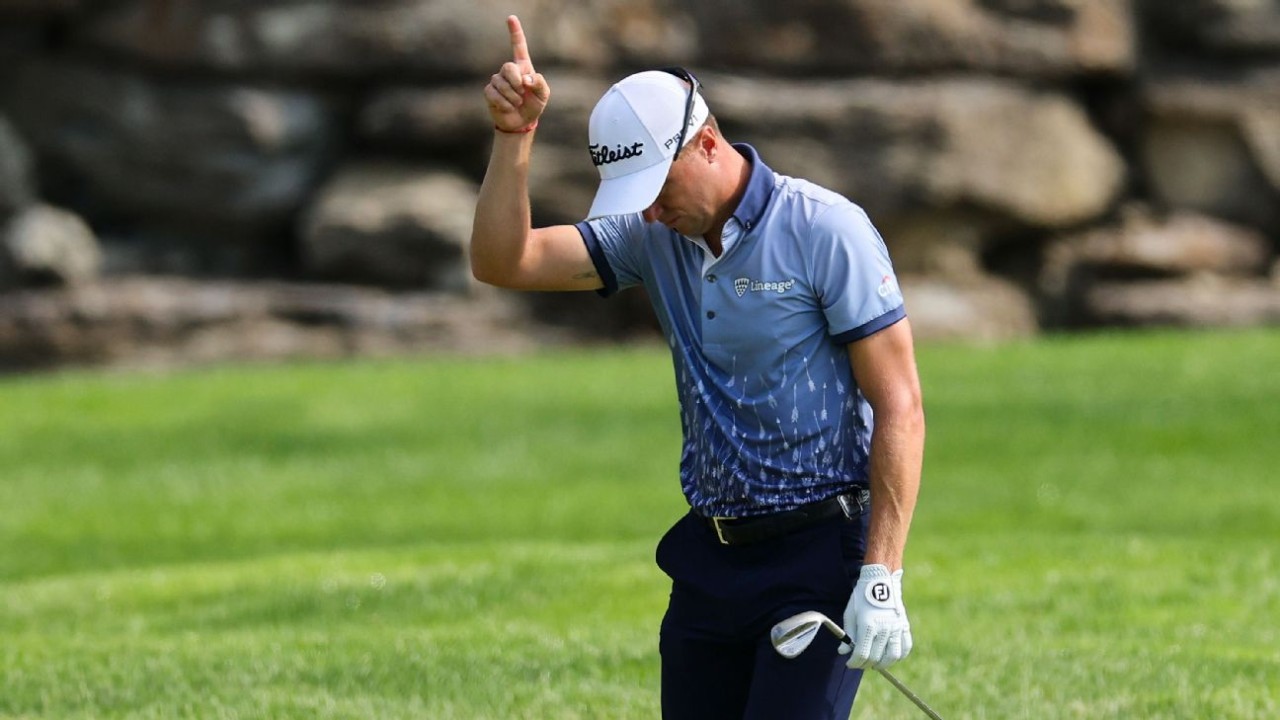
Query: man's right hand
(517, 94)
(876, 620)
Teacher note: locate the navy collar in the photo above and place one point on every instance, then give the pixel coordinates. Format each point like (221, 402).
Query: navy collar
(759, 189)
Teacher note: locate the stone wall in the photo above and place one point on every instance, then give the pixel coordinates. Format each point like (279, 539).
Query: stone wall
(172, 169)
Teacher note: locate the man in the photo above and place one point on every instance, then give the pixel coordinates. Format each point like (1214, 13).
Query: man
(788, 333)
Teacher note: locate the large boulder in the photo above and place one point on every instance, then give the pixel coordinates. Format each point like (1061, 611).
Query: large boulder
(442, 119)
(945, 244)
(44, 246)
(985, 309)
(1212, 143)
(449, 121)
(1033, 38)
(1117, 273)
(896, 147)
(152, 321)
(16, 182)
(393, 225)
(1177, 244)
(1194, 301)
(175, 148)
(439, 39)
(1226, 28)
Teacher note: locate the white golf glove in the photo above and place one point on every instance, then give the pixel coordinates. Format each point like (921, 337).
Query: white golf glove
(876, 620)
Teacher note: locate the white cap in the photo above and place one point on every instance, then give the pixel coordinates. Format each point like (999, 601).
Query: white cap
(632, 138)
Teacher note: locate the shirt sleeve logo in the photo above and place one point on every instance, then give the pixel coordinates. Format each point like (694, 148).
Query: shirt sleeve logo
(888, 286)
(744, 285)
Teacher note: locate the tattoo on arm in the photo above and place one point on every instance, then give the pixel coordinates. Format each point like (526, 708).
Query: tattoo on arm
(585, 275)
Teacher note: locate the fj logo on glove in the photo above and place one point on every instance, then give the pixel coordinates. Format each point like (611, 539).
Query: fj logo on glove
(880, 594)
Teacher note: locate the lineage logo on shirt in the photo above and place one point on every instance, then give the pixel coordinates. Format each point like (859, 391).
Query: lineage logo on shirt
(744, 285)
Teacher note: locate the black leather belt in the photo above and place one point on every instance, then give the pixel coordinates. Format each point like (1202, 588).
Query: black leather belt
(748, 530)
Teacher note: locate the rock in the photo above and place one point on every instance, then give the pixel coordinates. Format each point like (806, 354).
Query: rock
(1031, 38)
(140, 322)
(16, 182)
(1220, 27)
(1179, 244)
(394, 225)
(942, 244)
(439, 39)
(1212, 143)
(1143, 248)
(203, 249)
(37, 8)
(562, 183)
(440, 121)
(175, 149)
(44, 245)
(623, 318)
(898, 147)
(430, 119)
(443, 118)
(987, 310)
(1201, 300)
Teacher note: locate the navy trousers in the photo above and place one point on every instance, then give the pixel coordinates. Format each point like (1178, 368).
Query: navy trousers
(717, 661)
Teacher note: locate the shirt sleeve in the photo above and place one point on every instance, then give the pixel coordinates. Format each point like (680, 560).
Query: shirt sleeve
(615, 245)
(856, 284)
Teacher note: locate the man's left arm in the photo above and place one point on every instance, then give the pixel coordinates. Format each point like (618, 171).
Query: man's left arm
(884, 368)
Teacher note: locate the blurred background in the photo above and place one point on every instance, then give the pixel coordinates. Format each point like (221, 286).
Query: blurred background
(190, 181)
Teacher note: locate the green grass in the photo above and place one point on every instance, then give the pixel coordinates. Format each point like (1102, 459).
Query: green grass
(1098, 536)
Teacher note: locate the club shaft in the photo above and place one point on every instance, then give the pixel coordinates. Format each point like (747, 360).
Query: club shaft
(910, 695)
(844, 637)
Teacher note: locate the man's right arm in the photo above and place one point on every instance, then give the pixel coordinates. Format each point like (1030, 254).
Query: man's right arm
(505, 249)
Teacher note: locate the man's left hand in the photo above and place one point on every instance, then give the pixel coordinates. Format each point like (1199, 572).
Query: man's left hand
(876, 620)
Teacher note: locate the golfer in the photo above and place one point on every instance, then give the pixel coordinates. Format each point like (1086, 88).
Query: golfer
(795, 371)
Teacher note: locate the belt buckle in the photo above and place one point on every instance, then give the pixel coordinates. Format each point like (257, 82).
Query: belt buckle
(715, 523)
(845, 501)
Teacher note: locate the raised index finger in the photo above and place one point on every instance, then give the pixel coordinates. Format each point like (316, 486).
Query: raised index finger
(519, 48)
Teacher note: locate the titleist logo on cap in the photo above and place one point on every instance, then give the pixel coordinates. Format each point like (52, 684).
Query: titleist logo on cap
(603, 155)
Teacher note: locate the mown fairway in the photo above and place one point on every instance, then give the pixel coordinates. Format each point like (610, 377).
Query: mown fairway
(1098, 537)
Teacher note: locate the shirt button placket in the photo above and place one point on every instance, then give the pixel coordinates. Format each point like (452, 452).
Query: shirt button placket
(711, 279)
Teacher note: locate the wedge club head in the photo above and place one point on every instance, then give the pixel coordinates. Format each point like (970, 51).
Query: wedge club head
(794, 635)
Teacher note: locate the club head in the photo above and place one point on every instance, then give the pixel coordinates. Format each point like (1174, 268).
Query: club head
(794, 635)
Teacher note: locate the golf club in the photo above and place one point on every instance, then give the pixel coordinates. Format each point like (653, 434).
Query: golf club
(793, 636)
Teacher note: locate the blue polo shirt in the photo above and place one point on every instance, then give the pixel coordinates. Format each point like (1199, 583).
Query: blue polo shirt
(771, 414)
